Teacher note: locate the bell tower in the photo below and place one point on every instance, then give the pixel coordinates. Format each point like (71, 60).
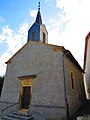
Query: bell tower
(38, 31)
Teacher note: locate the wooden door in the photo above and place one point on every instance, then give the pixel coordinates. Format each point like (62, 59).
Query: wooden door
(26, 97)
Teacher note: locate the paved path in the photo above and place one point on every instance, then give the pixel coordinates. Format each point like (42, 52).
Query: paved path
(84, 110)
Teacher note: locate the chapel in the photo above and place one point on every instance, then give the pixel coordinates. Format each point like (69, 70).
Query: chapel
(42, 81)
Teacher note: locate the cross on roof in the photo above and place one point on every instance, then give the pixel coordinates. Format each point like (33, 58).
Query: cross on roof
(38, 6)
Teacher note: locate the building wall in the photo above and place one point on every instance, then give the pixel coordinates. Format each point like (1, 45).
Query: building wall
(48, 86)
(43, 29)
(76, 96)
(87, 71)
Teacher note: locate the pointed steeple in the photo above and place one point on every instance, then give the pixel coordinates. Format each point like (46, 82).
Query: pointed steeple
(38, 31)
(38, 18)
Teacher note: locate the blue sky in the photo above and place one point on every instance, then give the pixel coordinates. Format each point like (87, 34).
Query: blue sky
(67, 22)
(14, 12)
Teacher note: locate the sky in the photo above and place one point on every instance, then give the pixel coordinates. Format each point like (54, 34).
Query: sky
(67, 22)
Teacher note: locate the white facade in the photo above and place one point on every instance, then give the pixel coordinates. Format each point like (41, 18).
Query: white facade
(52, 93)
(87, 66)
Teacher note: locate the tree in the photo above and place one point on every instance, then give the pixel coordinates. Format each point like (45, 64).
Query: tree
(1, 83)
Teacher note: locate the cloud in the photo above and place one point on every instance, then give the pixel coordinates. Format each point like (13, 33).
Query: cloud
(23, 28)
(3, 69)
(74, 26)
(49, 2)
(3, 59)
(33, 13)
(2, 37)
(14, 41)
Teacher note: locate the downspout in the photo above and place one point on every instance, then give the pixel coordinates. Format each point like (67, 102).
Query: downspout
(65, 90)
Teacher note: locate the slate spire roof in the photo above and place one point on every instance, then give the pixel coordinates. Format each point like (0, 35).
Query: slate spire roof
(38, 32)
(38, 18)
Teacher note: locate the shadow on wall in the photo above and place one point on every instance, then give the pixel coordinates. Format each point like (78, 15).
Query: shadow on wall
(1, 83)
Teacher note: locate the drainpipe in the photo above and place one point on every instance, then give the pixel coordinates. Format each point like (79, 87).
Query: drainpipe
(65, 90)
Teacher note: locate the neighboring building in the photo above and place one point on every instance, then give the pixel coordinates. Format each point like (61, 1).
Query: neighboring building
(42, 79)
(87, 66)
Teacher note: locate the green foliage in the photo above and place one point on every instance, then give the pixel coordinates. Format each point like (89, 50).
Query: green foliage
(1, 78)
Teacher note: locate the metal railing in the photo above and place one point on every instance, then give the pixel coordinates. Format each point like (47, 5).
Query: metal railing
(8, 107)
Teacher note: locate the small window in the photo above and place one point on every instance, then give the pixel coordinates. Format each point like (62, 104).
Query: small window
(81, 85)
(33, 35)
(44, 37)
(72, 80)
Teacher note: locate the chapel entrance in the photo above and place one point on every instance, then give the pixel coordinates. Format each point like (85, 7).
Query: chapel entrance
(26, 98)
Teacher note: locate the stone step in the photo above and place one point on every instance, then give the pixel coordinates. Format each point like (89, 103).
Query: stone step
(18, 116)
(22, 114)
(21, 117)
(8, 118)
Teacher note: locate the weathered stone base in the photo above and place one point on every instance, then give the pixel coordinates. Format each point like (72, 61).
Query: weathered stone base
(48, 112)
